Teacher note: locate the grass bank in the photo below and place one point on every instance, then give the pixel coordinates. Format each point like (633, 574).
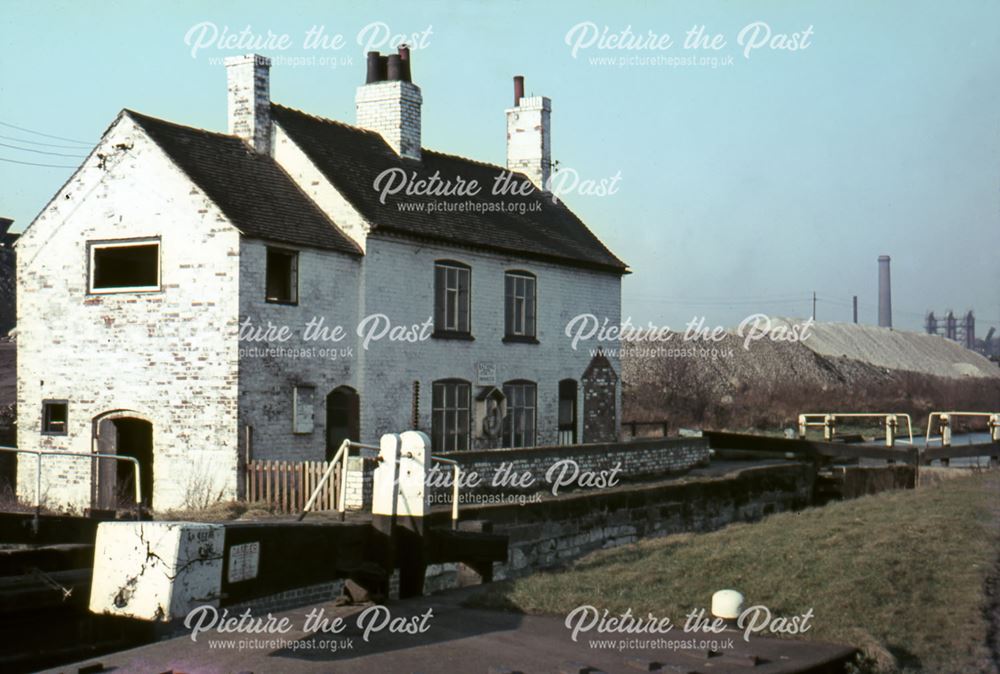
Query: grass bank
(900, 575)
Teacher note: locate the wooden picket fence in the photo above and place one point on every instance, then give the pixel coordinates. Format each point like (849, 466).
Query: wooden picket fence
(285, 486)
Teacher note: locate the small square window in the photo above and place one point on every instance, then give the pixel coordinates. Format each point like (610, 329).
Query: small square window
(55, 416)
(282, 276)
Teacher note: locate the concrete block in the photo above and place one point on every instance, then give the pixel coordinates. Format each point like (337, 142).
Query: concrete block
(156, 571)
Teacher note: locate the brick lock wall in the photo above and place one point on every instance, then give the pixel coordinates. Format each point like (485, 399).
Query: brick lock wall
(168, 357)
(639, 460)
(555, 531)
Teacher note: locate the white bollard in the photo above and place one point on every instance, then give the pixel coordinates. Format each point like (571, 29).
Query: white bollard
(398, 483)
(156, 570)
(727, 604)
(384, 477)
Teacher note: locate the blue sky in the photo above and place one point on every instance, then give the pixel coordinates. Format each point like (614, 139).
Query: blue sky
(744, 187)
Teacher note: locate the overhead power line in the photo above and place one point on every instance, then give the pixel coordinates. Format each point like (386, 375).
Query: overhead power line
(46, 135)
(30, 163)
(40, 143)
(53, 154)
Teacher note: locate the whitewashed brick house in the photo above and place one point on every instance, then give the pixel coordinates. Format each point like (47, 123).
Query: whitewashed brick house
(136, 280)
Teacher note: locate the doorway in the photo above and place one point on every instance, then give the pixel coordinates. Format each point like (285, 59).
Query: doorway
(343, 418)
(123, 435)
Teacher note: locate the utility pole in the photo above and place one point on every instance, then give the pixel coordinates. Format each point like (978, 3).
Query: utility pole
(855, 309)
(814, 305)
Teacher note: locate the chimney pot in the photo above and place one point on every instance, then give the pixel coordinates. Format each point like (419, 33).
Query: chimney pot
(394, 70)
(390, 103)
(373, 62)
(404, 61)
(518, 89)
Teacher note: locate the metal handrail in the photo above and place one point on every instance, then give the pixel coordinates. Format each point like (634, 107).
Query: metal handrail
(454, 487)
(39, 453)
(341, 457)
(944, 436)
(829, 419)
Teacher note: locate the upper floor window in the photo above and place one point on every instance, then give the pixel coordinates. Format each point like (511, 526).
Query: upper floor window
(282, 276)
(520, 422)
(125, 266)
(55, 416)
(452, 281)
(450, 405)
(519, 305)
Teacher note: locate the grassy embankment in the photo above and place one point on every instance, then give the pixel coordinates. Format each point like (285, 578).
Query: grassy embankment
(900, 575)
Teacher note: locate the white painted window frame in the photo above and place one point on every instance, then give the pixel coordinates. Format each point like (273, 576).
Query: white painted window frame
(94, 246)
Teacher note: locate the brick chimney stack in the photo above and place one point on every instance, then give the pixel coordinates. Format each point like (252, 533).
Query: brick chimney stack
(389, 103)
(249, 96)
(529, 136)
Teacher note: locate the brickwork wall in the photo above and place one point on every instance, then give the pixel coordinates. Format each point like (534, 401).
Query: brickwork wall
(393, 110)
(270, 371)
(168, 356)
(600, 404)
(557, 530)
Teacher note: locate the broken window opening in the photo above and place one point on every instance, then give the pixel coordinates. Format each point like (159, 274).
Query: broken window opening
(125, 266)
(282, 276)
(55, 417)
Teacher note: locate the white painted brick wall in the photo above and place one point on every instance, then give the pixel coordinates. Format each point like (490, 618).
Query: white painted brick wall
(329, 288)
(393, 110)
(248, 93)
(399, 282)
(170, 356)
(320, 190)
(529, 139)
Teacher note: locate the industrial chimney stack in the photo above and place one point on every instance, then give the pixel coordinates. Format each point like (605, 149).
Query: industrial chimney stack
(884, 293)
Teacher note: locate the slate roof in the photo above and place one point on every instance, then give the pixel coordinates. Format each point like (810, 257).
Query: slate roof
(251, 189)
(351, 158)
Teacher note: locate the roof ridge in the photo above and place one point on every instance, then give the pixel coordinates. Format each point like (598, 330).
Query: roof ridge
(354, 127)
(327, 120)
(159, 120)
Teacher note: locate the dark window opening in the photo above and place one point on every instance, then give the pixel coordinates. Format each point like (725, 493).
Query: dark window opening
(55, 416)
(567, 412)
(450, 418)
(451, 298)
(117, 266)
(282, 276)
(519, 304)
(519, 424)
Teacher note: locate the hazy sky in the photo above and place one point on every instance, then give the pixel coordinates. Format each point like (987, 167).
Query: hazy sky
(744, 187)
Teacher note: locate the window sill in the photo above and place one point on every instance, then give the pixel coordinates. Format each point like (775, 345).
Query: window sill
(520, 339)
(287, 303)
(125, 290)
(460, 336)
(54, 433)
